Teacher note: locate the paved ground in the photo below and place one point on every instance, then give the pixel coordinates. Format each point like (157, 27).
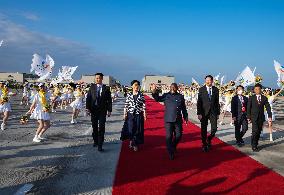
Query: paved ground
(66, 163)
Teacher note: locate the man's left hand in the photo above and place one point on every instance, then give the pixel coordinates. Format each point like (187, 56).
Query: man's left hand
(108, 114)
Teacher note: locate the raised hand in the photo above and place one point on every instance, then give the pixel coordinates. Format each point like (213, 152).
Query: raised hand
(153, 87)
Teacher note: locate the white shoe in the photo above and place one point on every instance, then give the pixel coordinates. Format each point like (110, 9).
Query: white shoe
(271, 138)
(21, 103)
(36, 139)
(72, 122)
(41, 138)
(221, 123)
(231, 124)
(3, 127)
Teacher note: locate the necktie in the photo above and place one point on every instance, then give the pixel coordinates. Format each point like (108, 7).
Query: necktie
(209, 93)
(258, 99)
(243, 105)
(98, 94)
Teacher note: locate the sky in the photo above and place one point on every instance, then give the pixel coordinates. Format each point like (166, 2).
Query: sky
(128, 39)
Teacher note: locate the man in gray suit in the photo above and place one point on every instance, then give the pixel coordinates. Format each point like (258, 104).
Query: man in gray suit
(175, 110)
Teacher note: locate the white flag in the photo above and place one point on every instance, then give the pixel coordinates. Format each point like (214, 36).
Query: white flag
(280, 72)
(42, 67)
(254, 70)
(194, 81)
(222, 80)
(67, 72)
(216, 78)
(246, 77)
(56, 80)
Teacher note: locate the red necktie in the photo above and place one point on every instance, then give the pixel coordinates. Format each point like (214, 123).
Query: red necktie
(243, 104)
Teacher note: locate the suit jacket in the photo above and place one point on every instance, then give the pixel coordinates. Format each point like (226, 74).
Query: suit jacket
(105, 102)
(204, 105)
(255, 111)
(236, 106)
(175, 107)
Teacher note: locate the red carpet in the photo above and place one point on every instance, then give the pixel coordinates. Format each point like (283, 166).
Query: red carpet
(224, 170)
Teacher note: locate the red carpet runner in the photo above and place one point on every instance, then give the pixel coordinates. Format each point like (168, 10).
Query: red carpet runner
(224, 170)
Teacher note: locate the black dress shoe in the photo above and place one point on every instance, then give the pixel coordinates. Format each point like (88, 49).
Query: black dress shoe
(209, 145)
(242, 142)
(205, 149)
(255, 149)
(95, 145)
(239, 144)
(100, 149)
(172, 157)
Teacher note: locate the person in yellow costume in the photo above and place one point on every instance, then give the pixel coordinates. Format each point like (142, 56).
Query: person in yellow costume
(271, 99)
(77, 104)
(39, 110)
(5, 106)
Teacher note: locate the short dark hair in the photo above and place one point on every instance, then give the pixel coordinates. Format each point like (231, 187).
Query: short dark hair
(100, 74)
(258, 85)
(174, 84)
(135, 81)
(209, 76)
(240, 86)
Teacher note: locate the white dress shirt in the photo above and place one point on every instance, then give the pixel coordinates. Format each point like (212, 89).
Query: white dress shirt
(209, 90)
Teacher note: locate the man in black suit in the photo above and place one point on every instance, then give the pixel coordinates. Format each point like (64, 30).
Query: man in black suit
(256, 116)
(208, 108)
(239, 115)
(175, 110)
(99, 104)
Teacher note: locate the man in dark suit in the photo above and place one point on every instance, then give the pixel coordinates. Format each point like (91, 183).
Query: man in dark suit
(175, 110)
(256, 116)
(208, 108)
(99, 104)
(239, 115)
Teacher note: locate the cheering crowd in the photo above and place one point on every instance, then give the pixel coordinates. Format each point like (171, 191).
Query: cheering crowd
(41, 99)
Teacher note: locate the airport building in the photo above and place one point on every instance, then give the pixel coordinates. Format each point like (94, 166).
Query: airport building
(18, 77)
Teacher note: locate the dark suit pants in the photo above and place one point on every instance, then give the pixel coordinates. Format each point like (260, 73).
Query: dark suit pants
(241, 122)
(173, 134)
(256, 130)
(204, 123)
(98, 124)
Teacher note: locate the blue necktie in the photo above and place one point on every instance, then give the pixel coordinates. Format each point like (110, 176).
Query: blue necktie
(209, 93)
(98, 94)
